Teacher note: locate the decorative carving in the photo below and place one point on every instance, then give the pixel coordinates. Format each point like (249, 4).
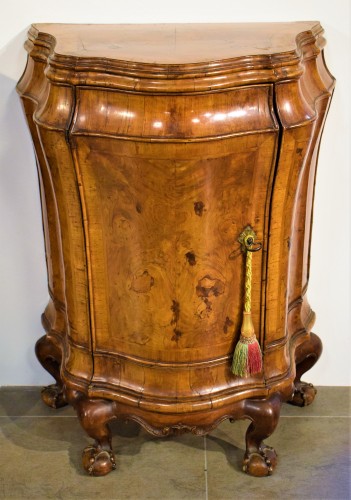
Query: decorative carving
(53, 396)
(260, 463)
(260, 459)
(179, 429)
(94, 415)
(49, 354)
(98, 462)
(304, 394)
(306, 355)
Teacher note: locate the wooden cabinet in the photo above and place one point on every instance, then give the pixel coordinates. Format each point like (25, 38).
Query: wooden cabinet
(156, 146)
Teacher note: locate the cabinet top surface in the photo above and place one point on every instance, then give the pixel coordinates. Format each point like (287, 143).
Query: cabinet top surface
(175, 43)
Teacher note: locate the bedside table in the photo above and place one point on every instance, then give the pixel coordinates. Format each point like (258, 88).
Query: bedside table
(157, 147)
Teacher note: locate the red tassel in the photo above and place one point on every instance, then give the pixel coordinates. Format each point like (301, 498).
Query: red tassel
(254, 358)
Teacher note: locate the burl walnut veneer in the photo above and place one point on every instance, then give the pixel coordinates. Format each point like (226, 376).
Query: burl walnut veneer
(156, 146)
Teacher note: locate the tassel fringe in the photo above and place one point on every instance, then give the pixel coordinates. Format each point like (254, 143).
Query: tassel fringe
(247, 359)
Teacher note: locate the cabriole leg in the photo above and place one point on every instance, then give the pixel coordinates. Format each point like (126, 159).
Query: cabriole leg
(307, 354)
(94, 415)
(49, 355)
(260, 459)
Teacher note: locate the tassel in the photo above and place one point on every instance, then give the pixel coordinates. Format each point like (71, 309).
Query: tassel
(247, 358)
(255, 358)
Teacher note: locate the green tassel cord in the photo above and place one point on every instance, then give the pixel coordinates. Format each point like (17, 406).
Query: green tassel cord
(239, 366)
(247, 358)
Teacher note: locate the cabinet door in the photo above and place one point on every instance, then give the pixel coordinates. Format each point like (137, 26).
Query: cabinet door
(167, 184)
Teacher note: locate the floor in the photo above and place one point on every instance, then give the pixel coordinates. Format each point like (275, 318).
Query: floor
(41, 450)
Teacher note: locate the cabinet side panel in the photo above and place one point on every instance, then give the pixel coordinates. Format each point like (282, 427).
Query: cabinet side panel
(318, 95)
(292, 208)
(31, 88)
(52, 118)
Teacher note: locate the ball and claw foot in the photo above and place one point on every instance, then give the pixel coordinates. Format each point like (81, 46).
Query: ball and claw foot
(98, 462)
(303, 394)
(53, 396)
(260, 463)
(306, 355)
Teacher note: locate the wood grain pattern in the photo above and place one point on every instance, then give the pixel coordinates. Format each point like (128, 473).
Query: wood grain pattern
(156, 146)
